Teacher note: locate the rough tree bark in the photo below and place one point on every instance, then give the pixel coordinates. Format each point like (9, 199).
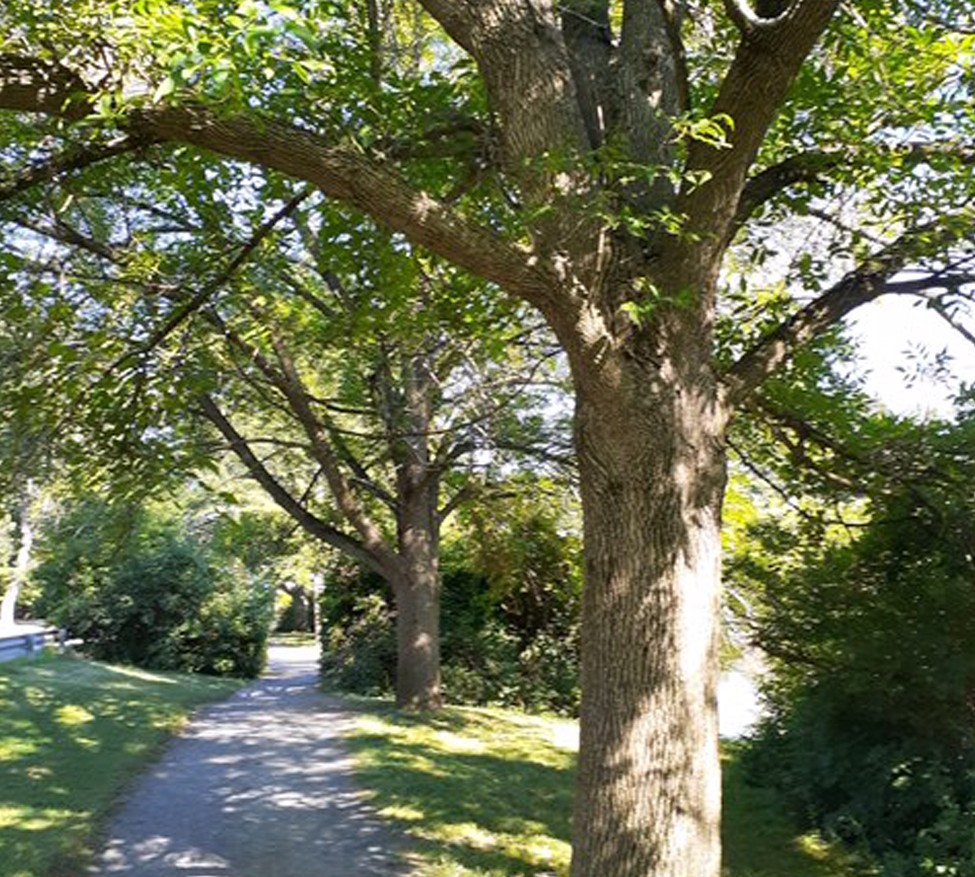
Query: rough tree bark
(417, 588)
(651, 467)
(417, 595)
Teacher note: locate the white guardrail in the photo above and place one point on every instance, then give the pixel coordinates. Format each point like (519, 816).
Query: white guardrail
(26, 645)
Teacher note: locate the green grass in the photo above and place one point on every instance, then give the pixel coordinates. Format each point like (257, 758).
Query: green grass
(72, 733)
(293, 639)
(487, 793)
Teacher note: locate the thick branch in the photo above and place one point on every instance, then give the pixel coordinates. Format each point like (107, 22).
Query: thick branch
(30, 85)
(588, 39)
(522, 54)
(750, 95)
(868, 281)
(312, 524)
(653, 82)
(457, 17)
(342, 491)
(348, 176)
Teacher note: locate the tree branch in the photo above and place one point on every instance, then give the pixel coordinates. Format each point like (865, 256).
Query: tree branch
(31, 85)
(456, 17)
(312, 524)
(812, 165)
(294, 390)
(72, 159)
(751, 94)
(749, 22)
(653, 82)
(210, 289)
(464, 494)
(865, 283)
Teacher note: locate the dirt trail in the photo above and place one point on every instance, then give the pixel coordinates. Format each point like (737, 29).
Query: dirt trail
(256, 786)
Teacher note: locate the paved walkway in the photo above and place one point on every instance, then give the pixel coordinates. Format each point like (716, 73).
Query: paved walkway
(256, 786)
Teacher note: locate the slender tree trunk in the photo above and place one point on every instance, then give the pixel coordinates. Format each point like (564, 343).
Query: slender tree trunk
(20, 558)
(652, 474)
(417, 588)
(301, 609)
(418, 643)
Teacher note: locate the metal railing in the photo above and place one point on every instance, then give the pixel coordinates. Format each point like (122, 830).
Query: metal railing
(26, 645)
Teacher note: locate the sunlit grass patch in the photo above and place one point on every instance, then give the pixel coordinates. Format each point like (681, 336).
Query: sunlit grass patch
(296, 638)
(71, 733)
(488, 793)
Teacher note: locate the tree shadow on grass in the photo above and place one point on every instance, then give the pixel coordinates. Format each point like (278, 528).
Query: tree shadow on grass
(70, 733)
(491, 810)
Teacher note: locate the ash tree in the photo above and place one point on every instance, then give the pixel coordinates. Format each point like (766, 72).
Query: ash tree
(362, 386)
(598, 161)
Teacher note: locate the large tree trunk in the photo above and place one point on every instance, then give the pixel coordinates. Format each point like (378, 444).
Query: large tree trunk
(652, 474)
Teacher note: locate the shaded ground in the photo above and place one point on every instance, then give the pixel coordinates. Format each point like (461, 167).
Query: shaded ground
(487, 792)
(72, 733)
(257, 786)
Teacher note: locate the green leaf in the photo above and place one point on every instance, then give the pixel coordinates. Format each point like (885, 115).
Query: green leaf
(164, 89)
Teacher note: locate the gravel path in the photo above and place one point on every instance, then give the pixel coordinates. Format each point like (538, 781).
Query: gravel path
(256, 786)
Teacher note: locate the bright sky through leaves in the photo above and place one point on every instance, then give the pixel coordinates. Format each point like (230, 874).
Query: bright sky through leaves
(888, 330)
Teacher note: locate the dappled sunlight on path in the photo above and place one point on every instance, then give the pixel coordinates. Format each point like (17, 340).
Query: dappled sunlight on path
(257, 786)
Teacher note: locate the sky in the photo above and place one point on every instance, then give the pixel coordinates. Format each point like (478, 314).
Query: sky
(887, 329)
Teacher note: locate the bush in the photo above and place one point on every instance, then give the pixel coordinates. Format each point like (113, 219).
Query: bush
(872, 728)
(486, 656)
(359, 645)
(150, 596)
(509, 609)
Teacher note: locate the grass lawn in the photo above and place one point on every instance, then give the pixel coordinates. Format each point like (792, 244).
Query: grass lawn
(293, 639)
(487, 793)
(71, 733)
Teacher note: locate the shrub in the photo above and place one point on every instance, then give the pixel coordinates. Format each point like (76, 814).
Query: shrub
(871, 732)
(148, 595)
(486, 657)
(359, 646)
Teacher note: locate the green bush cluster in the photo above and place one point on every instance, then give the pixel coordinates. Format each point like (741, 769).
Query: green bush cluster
(491, 652)
(509, 609)
(145, 593)
(871, 734)
(358, 643)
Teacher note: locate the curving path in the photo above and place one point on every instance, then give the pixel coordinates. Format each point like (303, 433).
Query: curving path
(256, 786)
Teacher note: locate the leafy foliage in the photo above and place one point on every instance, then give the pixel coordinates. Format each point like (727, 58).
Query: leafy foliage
(509, 616)
(151, 596)
(872, 637)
